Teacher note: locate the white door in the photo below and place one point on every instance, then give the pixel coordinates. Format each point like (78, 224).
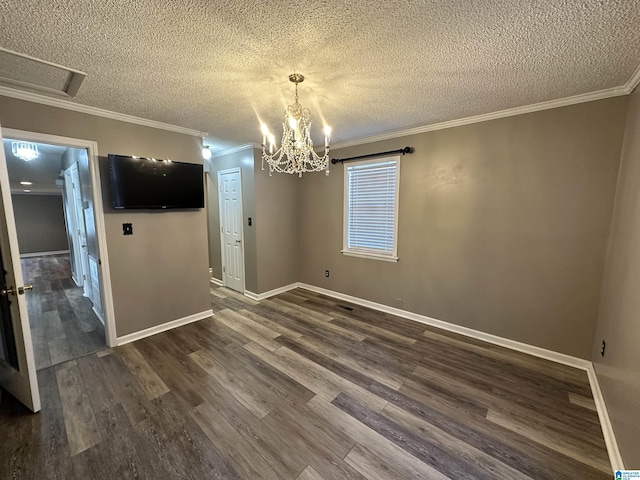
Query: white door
(72, 229)
(81, 229)
(230, 196)
(17, 364)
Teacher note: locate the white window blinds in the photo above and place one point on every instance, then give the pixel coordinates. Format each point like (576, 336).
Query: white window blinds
(371, 208)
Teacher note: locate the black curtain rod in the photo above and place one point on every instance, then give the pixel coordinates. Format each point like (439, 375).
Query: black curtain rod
(402, 151)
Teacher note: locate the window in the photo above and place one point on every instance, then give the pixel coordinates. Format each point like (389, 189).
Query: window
(371, 208)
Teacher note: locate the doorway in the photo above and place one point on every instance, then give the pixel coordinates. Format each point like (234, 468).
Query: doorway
(53, 207)
(231, 241)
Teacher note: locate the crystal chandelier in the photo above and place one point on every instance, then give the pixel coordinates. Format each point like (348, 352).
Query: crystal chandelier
(26, 151)
(296, 154)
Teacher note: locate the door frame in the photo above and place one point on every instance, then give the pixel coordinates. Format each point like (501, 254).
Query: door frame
(237, 170)
(80, 227)
(96, 192)
(71, 217)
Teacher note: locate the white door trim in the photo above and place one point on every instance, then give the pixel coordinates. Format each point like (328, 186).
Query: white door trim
(96, 190)
(71, 218)
(237, 170)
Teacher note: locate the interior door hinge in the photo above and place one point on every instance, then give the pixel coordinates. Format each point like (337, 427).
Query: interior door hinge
(224, 269)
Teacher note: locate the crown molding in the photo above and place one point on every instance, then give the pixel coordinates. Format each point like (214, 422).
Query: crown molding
(511, 112)
(237, 149)
(633, 81)
(99, 112)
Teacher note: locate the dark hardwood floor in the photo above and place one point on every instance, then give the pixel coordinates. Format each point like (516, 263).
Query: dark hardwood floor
(63, 325)
(298, 387)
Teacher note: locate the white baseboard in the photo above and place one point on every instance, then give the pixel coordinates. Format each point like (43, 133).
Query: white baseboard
(468, 332)
(98, 314)
(270, 293)
(43, 254)
(217, 281)
(132, 337)
(615, 456)
(603, 414)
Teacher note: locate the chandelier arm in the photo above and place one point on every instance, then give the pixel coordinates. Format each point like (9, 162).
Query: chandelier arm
(296, 152)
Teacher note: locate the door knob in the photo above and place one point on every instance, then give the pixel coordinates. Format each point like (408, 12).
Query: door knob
(9, 291)
(238, 241)
(21, 290)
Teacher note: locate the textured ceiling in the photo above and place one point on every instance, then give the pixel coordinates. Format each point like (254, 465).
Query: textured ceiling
(371, 66)
(42, 171)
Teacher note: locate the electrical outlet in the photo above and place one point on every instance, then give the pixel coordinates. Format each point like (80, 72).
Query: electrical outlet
(127, 228)
(326, 273)
(604, 346)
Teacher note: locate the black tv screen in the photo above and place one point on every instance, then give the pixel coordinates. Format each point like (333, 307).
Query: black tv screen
(150, 183)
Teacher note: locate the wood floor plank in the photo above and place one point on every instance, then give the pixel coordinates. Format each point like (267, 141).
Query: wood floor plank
(310, 322)
(310, 312)
(249, 323)
(369, 330)
(323, 432)
(241, 391)
(547, 367)
(589, 456)
(127, 388)
(369, 369)
(149, 381)
(425, 449)
(60, 351)
(34, 446)
(79, 418)
(464, 451)
(318, 455)
(318, 379)
(98, 387)
(403, 462)
(118, 455)
(228, 320)
(285, 461)
(310, 474)
(282, 330)
(259, 372)
(585, 402)
(371, 465)
(533, 459)
(245, 460)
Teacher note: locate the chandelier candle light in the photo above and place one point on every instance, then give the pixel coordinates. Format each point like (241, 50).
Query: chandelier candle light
(296, 154)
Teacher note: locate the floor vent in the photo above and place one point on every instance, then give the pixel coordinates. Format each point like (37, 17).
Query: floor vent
(344, 307)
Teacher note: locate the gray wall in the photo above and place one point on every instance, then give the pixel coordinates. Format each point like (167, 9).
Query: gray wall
(618, 323)
(271, 243)
(40, 223)
(503, 225)
(243, 160)
(277, 225)
(159, 273)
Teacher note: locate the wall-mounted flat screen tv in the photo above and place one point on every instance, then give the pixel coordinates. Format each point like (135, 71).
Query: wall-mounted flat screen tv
(150, 183)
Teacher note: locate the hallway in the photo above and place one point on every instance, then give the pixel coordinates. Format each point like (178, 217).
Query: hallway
(63, 324)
